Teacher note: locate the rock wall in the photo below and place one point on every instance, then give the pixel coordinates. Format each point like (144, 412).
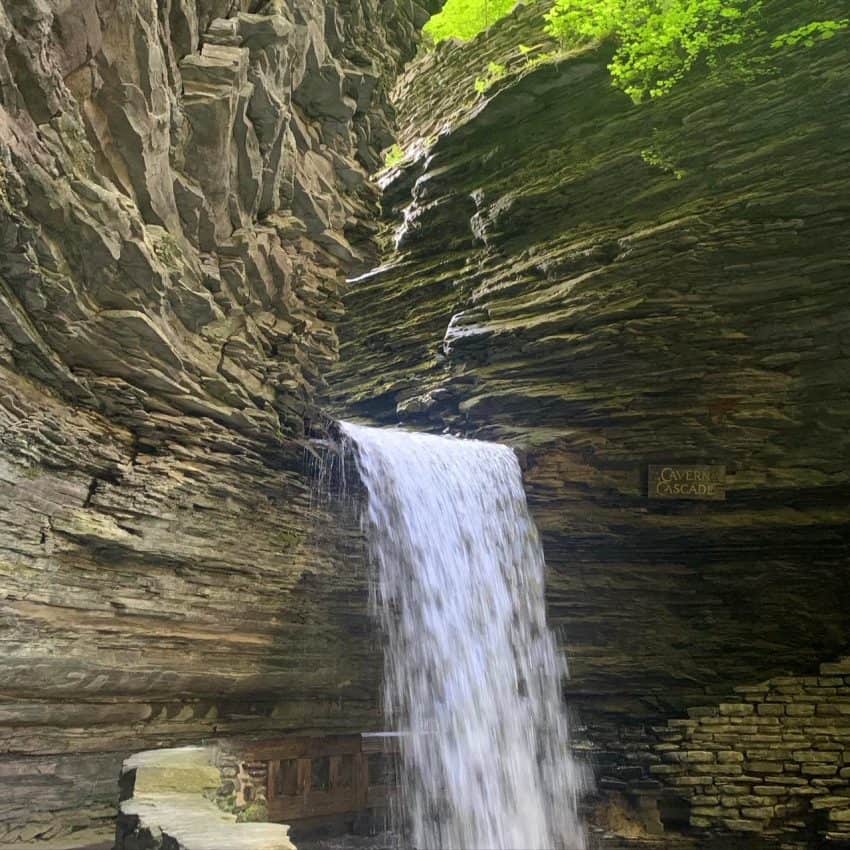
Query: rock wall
(183, 188)
(607, 286)
(766, 760)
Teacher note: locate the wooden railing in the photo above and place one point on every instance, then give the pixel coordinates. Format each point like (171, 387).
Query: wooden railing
(322, 777)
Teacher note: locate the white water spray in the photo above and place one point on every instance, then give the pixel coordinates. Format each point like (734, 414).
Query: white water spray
(472, 673)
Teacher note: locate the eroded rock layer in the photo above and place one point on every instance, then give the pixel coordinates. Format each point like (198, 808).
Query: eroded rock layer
(607, 286)
(183, 188)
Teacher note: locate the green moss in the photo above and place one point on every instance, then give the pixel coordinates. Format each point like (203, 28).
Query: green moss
(658, 155)
(256, 812)
(167, 250)
(394, 156)
(495, 72)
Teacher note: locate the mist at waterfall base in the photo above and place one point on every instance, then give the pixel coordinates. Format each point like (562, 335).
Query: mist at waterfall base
(472, 673)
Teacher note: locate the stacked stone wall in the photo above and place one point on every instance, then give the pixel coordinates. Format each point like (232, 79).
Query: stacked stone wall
(776, 760)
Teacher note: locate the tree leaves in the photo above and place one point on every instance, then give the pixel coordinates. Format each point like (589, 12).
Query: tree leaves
(658, 41)
(809, 34)
(466, 18)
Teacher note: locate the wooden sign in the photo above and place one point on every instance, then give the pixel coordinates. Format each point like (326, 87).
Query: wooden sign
(680, 481)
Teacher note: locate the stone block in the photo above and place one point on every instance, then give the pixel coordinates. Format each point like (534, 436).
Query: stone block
(804, 791)
(739, 825)
(799, 710)
(830, 802)
(666, 769)
(813, 756)
(730, 790)
(752, 690)
(819, 770)
(758, 813)
(707, 811)
(698, 757)
(736, 709)
(690, 781)
(185, 770)
(764, 766)
(836, 708)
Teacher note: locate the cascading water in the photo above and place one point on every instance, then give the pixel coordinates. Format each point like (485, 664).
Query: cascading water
(472, 673)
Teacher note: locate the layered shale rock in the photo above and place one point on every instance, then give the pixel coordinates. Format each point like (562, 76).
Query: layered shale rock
(183, 187)
(608, 286)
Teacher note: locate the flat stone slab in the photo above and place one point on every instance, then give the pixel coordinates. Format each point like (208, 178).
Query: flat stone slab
(168, 806)
(182, 770)
(197, 824)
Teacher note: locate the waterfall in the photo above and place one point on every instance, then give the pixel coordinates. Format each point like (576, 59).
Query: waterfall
(472, 673)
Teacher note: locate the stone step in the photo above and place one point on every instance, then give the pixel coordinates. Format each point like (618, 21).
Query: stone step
(165, 805)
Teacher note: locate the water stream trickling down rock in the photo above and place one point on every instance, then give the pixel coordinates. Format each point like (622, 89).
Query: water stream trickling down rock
(472, 673)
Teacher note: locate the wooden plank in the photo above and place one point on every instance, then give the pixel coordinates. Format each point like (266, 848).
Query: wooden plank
(290, 792)
(304, 777)
(287, 785)
(380, 795)
(313, 804)
(342, 772)
(361, 779)
(272, 782)
(300, 747)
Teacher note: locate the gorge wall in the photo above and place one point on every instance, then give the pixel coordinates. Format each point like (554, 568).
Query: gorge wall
(183, 188)
(607, 286)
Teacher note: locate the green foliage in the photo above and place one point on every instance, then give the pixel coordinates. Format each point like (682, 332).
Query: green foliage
(658, 41)
(810, 33)
(495, 71)
(256, 812)
(466, 18)
(658, 155)
(394, 156)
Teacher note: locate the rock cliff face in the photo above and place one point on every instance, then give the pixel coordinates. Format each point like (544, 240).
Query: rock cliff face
(183, 188)
(608, 286)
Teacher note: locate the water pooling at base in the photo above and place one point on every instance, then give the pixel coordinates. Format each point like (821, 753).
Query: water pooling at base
(472, 673)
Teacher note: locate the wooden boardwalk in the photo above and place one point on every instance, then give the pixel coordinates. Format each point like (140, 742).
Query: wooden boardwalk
(310, 778)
